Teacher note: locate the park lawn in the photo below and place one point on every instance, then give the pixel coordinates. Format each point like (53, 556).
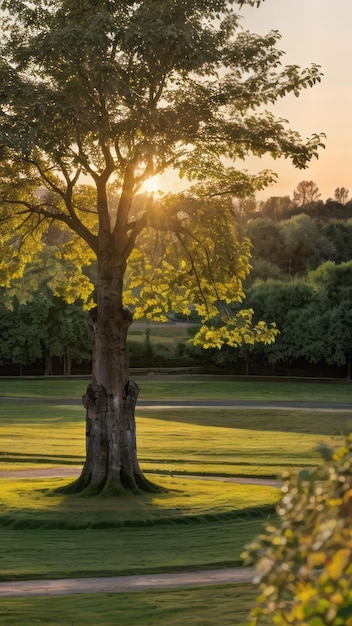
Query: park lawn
(275, 391)
(190, 387)
(228, 605)
(216, 526)
(247, 442)
(180, 443)
(36, 504)
(30, 554)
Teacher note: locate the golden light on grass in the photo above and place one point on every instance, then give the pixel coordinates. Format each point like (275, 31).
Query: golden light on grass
(34, 503)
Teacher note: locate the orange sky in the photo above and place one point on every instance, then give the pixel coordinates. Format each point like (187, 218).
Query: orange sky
(313, 31)
(316, 31)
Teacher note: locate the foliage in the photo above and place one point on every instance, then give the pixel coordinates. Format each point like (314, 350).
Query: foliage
(341, 195)
(339, 235)
(313, 315)
(36, 322)
(305, 565)
(22, 331)
(306, 192)
(290, 247)
(266, 239)
(277, 207)
(58, 270)
(303, 246)
(90, 90)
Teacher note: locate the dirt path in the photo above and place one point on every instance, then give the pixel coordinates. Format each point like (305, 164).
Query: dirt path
(124, 584)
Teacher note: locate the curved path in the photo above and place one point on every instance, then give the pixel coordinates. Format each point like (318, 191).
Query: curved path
(125, 584)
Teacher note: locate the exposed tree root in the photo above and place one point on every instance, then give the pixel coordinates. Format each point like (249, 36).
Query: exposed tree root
(125, 484)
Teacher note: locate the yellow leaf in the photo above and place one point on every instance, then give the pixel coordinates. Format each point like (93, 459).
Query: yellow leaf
(340, 559)
(316, 559)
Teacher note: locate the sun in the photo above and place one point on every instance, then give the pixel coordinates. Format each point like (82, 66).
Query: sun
(151, 185)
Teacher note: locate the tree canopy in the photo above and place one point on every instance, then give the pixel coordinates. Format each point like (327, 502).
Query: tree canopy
(107, 94)
(120, 91)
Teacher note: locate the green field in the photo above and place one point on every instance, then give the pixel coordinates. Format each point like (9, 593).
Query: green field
(198, 441)
(196, 524)
(61, 553)
(227, 605)
(190, 387)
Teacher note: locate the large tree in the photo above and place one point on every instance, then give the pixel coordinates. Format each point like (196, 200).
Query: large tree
(113, 92)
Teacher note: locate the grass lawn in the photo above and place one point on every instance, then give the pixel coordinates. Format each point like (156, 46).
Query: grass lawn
(34, 504)
(191, 388)
(197, 441)
(196, 524)
(212, 441)
(228, 605)
(203, 389)
(28, 554)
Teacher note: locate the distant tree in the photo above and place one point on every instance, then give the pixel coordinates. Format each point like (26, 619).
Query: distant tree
(67, 333)
(339, 234)
(244, 208)
(42, 328)
(263, 270)
(288, 247)
(22, 331)
(277, 207)
(313, 315)
(347, 210)
(333, 279)
(304, 564)
(303, 247)
(331, 209)
(341, 195)
(321, 332)
(266, 239)
(306, 192)
(281, 301)
(46, 300)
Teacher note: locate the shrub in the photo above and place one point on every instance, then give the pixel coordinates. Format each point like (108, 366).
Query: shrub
(304, 566)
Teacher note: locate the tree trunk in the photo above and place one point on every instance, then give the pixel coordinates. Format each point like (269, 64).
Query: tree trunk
(48, 367)
(67, 364)
(111, 466)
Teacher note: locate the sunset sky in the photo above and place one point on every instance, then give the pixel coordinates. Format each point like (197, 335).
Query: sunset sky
(314, 31)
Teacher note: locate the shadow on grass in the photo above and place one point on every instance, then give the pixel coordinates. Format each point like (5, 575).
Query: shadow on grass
(37, 505)
(45, 459)
(301, 421)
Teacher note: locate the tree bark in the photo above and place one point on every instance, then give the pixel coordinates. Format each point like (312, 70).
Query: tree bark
(67, 364)
(111, 466)
(48, 366)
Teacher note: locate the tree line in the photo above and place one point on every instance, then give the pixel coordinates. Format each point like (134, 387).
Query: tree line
(301, 280)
